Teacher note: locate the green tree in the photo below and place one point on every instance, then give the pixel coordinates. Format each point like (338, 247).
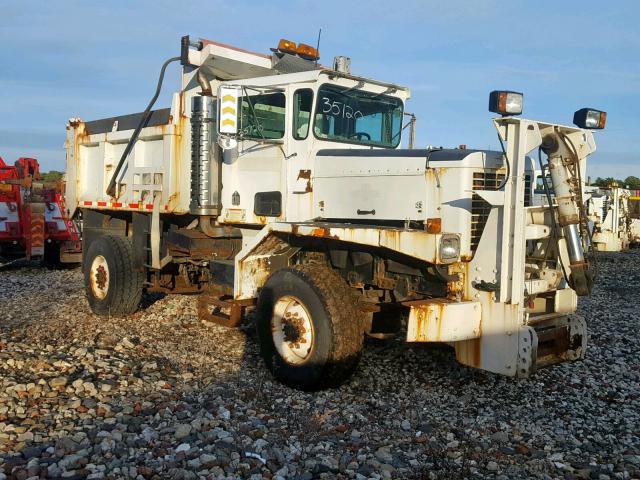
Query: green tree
(632, 182)
(605, 182)
(52, 176)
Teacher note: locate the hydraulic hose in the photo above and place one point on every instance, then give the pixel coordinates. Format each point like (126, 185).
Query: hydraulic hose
(111, 189)
(506, 160)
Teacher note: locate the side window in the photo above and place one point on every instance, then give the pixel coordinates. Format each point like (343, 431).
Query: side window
(262, 116)
(302, 101)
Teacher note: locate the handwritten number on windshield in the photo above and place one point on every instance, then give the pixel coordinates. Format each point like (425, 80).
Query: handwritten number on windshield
(339, 109)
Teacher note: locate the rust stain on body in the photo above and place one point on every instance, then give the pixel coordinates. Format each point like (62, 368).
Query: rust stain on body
(321, 232)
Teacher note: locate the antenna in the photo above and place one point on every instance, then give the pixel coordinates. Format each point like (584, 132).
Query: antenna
(318, 46)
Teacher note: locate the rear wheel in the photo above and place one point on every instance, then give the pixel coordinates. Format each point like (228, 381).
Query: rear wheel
(310, 327)
(112, 283)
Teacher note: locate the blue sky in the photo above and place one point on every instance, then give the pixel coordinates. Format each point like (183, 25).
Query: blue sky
(99, 59)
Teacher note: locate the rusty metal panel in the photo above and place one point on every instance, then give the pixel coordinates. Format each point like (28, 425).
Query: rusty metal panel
(416, 243)
(441, 320)
(250, 262)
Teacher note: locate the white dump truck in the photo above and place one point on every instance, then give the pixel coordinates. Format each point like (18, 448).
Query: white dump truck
(608, 209)
(279, 184)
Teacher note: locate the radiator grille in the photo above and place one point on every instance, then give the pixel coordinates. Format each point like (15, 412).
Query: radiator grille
(480, 208)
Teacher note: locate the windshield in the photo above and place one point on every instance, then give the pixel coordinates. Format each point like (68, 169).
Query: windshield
(350, 115)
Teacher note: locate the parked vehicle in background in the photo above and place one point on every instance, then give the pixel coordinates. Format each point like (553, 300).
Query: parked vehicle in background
(633, 203)
(34, 223)
(608, 208)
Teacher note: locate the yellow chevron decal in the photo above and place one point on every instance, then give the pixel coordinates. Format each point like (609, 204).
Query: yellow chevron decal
(228, 121)
(230, 110)
(229, 98)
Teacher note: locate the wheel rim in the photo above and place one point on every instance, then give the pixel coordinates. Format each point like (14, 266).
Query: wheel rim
(99, 276)
(292, 330)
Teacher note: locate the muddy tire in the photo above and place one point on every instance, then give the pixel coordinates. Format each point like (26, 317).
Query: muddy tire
(112, 283)
(309, 327)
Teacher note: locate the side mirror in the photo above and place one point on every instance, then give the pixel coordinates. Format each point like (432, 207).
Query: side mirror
(229, 148)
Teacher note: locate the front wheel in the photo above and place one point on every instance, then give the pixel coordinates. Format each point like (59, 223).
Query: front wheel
(112, 283)
(309, 327)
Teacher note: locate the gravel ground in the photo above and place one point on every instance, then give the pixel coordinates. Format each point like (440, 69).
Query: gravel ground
(159, 395)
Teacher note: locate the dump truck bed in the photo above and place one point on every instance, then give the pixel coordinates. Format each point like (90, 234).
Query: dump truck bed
(153, 170)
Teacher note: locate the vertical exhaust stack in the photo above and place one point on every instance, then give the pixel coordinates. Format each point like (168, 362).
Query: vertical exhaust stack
(563, 168)
(205, 169)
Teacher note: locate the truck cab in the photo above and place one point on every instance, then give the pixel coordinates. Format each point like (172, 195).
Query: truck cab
(284, 121)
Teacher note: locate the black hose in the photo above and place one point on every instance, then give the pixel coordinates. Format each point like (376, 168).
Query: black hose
(143, 120)
(506, 160)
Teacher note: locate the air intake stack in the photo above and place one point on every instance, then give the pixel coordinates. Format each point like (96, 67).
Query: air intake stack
(342, 64)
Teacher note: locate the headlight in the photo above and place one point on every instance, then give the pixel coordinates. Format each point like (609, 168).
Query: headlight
(449, 248)
(505, 102)
(590, 118)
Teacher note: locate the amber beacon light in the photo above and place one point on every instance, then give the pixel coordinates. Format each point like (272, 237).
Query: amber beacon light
(287, 46)
(308, 52)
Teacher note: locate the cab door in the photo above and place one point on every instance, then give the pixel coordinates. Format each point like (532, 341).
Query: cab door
(253, 180)
(300, 156)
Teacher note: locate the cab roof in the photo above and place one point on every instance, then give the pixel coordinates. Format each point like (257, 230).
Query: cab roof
(242, 67)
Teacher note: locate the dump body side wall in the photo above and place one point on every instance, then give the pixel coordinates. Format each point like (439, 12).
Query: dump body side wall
(154, 167)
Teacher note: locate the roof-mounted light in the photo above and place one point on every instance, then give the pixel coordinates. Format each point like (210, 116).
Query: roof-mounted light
(307, 52)
(590, 118)
(287, 46)
(505, 102)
